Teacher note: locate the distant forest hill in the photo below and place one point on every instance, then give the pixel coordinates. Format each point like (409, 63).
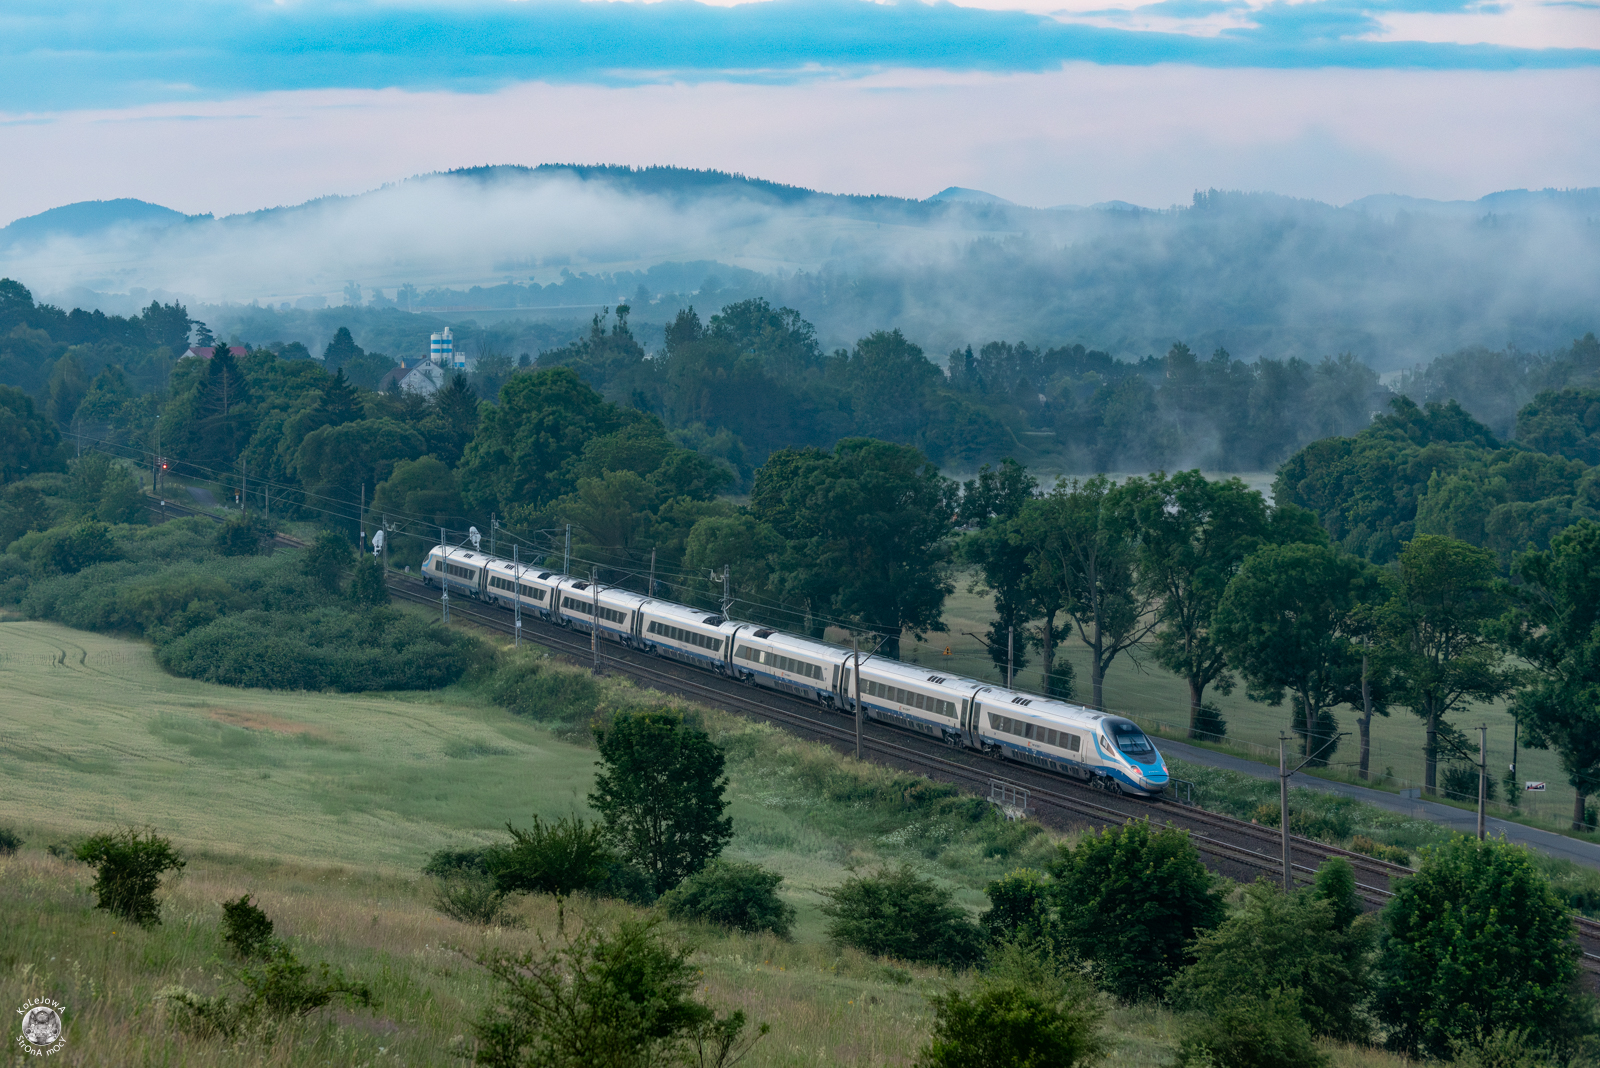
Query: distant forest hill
(1391, 280)
(747, 379)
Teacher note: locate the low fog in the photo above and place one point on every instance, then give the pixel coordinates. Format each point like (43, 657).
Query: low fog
(1391, 280)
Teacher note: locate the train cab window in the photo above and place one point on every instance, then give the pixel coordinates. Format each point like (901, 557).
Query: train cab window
(1132, 741)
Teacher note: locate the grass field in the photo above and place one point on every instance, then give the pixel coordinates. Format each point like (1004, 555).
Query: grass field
(324, 806)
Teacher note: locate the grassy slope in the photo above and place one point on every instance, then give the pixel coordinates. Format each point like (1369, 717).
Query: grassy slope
(325, 805)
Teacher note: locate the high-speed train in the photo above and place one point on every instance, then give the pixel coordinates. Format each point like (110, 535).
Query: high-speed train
(1104, 750)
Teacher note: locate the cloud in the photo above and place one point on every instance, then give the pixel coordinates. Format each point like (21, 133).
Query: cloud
(54, 57)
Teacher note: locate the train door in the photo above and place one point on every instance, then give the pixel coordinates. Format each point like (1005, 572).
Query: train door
(971, 709)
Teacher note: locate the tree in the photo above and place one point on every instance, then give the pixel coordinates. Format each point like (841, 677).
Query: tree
(1285, 622)
(340, 351)
(1440, 647)
(1082, 535)
(367, 586)
(1301, 942)
(27, 438)
(603, 998)
(522, 452)
(992, 502)
(224, 417)
(1554, 624)
(326, 558)
(1475, 944)
(1193, 535)
(660, 794)
(1021, 908)
(864, 526)
(128, 867)
(894, 912)
(1131, 899)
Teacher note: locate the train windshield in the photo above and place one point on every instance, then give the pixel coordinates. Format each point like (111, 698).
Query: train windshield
(1132, 741)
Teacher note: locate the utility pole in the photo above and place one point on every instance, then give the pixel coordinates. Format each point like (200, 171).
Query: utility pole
(566, 560)
(1483, 779)
(361, 517)
(1283, 809)
(1011, 633)
(855, 681)
(651, 590)
(244, 491)
(727, 601)
(494, 525)
(1283, 798)
(594, 622)
(388, 532)
(444, 574)
(516, 597)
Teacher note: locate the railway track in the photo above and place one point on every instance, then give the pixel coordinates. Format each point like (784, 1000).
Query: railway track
(1234, 847)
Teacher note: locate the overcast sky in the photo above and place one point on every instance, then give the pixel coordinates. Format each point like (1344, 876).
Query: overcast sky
(222, 106)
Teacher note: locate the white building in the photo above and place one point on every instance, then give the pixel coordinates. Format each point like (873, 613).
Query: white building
(426, 378)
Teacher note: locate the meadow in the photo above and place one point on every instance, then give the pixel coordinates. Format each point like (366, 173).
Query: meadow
(324, 807)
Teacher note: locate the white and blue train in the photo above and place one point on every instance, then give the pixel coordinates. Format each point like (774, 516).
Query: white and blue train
(1104, 750)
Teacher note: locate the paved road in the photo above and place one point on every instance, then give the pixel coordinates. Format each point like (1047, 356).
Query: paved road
(1556, 845)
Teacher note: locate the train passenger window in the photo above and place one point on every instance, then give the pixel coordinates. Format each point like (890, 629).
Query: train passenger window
(1049, 737)
(1074, 742)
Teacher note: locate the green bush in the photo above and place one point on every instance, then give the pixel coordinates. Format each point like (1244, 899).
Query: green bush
(561, 858)
(1459, 782)
(68, 550)
(447, 862)
(730, 894)
(1474, 944)
(324, 649)
(244, 535)
(1131, 899)
(472, 897)
(1507, 1049)
(246, 929)
(621, 998)
(531, 685)
(1394, 854)
(367, 586)
(10, 841)
(1209, 725)
(1010, 1025)
(1302, 943)
(326, 559)
(128, 867)
(897, 913)
(1249, 1032)
(278, 989)
(1021, 908)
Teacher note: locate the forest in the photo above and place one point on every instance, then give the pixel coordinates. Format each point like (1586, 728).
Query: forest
(1420, 546)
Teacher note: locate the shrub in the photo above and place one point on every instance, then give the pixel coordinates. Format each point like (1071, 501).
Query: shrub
(897, 913)
(447, 862)
(246, 929)
(627, 882)
(561, 858)
(660, 792)
(367, 586)
(742, 896)
(532, 686)
(280, 988)
(128, 868)
(10, 841)
(472, 898)
(619, 998)
(1009, 1025)
(244, 535)
(68, 550)
(326, 558)
(1131, 898)
(1209, 726)
(1249, 1032)
(1302, 943)
(1371, 847)
(1505, 1049)
(1460, 783)
(1476, 943)
(1020, 908)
